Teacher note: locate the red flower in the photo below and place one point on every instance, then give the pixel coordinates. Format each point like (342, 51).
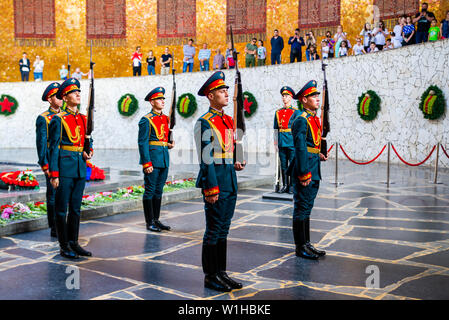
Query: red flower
(5, 206)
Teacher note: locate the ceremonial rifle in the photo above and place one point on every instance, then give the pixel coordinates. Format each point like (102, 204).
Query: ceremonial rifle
(239, 121)
(68, 62)
(173, 104)
(277, 181)
(90, 109)
(324, 111)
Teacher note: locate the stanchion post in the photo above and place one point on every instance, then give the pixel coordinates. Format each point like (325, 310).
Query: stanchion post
(388, 166)
(435, 181)
(336, 164)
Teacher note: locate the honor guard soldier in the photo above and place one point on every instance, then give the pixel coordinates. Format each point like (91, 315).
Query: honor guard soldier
(154, 157)
(42, 122)
(67, 167)
(214, 137)
(306, 173)
(283, 136)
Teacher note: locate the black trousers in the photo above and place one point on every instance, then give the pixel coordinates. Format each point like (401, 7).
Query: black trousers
(25, 75)
(137, 71)
(295, 55)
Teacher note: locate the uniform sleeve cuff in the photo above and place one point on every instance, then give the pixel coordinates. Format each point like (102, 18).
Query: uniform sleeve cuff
(147, 165)
(305, 177)
(212, 191)
(44, 167)
(54, 174)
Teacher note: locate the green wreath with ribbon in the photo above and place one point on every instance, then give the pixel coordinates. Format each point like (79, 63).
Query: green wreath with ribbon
(432, 103)
(299, 104)
(249, 104)
(8, 105)
(369, 105)
(127, 105)
(186, 105)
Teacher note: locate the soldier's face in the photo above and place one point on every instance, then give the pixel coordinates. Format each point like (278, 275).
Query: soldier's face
(55, 102)
(219, 97)
(311, 102)
(73, 98)
(158, 104)
(287, 99)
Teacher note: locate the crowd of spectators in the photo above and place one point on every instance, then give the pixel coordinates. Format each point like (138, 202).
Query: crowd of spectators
(422, 27)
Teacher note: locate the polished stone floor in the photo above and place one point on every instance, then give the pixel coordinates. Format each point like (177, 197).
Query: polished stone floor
(396, 237)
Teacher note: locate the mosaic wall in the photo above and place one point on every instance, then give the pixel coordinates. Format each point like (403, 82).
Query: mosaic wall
(116, 27)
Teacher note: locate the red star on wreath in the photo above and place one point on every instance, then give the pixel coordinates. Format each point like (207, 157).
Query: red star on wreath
(247, 104)
(6, 105)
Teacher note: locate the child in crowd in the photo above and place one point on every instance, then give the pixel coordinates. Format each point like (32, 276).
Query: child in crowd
(388, 45)
(373, 47)
(358, 48)
(313, 53)
(434, 31)
(325, 50)
(261, 53)
(343, 51)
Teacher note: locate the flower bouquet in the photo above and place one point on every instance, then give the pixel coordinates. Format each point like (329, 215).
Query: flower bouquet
(19, 211)
(19, 180)
(93, 172)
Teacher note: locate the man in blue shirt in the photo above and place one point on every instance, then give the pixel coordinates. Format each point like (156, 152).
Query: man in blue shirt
(296, 42)
(189, 53)
(277, 45)
(203, 57)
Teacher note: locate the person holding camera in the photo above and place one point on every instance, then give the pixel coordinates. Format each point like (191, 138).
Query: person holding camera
(380, 35)
(423, 18)
(310, 42)
(339, 37)
(296, 43)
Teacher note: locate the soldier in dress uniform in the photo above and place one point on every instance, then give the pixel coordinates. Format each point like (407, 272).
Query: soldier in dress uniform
(305, 169)
(154, 157)
(283, 136)
(67, 166)
(42, 122)
(214, 137)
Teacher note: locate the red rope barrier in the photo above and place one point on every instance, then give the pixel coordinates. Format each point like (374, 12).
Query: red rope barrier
(447, 155)
(363, 163)
(413, 164)
(330, 149)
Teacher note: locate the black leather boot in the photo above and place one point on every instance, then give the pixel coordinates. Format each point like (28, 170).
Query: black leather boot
(300, 240)
(308, 244)
(157, 213)
(290, 186)
(73, 227)
(148, 212)
(210, 268)
(222, 249)
(61, 231)
(51, 219)
(79, 250)
(284, 182)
